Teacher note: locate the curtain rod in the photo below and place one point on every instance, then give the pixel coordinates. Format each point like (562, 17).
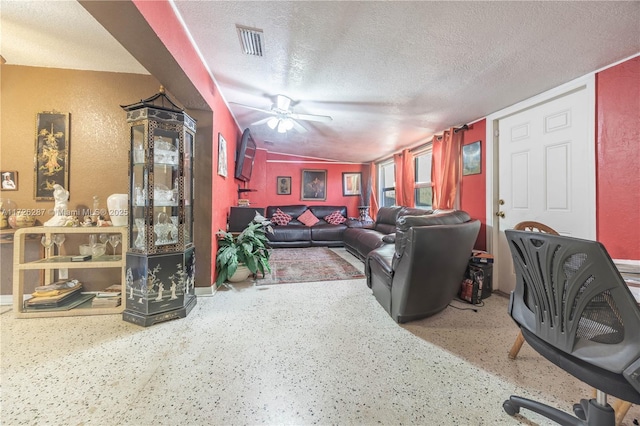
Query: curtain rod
(459, 129)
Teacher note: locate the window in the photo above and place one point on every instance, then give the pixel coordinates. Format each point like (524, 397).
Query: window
(387, 184)
(424, 187)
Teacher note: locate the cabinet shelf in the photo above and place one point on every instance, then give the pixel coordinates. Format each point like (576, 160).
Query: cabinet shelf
(52, 264)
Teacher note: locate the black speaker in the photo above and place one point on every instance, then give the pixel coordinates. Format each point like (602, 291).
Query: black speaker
(239, 217)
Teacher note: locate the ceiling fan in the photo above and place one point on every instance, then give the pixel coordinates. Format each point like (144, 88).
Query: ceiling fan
(282, 118)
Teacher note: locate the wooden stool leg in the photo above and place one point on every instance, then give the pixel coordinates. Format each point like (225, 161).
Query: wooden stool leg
(513, 353)
(621, 408)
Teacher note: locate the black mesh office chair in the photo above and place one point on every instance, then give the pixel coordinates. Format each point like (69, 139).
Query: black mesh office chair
(574, 308)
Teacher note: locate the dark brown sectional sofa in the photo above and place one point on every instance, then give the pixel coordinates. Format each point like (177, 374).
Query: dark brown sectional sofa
(296, 234)
(359, 240)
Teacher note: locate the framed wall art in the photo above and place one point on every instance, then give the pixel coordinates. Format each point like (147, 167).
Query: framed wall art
(222, 155)
(472, 159)
(9, 180)
(283, 185)
(314, 185)
(351, 184)
(52, 153)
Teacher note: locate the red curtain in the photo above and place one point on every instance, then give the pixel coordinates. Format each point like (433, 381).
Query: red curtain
(405, 178)
(373, 200)
(445, 170)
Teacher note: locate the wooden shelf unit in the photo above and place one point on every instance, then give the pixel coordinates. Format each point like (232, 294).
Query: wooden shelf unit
(49, 266)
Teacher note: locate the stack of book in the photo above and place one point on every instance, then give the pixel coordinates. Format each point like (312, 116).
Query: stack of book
(110, 297)
(55, 295)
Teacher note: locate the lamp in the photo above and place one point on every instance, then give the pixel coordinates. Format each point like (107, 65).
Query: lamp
(282, 124)
(273, 122)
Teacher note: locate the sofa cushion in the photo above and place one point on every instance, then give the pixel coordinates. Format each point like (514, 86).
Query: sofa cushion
(290, 233)
(362, 240)
(388, 216)
(307, 218)
(335, 218)
(326, 232)
(281, 218)
(322, 211)
(293, 210)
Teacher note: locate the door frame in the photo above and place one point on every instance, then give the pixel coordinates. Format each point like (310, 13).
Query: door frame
(492, 145)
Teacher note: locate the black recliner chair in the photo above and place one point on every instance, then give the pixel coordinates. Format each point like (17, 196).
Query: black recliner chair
(421, 273)
(574, 308)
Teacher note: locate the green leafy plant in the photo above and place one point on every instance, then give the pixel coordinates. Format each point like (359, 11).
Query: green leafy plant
(250, 248)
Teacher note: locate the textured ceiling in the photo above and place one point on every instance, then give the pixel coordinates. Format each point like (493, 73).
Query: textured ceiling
(391, 74)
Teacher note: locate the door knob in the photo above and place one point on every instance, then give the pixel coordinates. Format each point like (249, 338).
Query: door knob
(500, 214)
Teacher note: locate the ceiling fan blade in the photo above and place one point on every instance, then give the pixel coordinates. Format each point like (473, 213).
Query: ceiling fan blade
(266, 111)
(257, 123)
(299, 127)
(311, 117)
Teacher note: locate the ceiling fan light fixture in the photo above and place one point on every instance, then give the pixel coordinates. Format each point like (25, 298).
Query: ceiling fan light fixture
(282, 126)
(273, 123)
(288, 124)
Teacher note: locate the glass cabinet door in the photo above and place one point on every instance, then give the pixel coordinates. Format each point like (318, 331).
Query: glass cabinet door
(139, 179)
(188, 187)
(166, 186)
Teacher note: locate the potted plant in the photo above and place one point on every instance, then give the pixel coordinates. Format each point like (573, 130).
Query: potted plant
(249, 249)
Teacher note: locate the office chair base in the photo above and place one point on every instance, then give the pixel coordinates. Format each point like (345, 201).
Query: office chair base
(589, 412)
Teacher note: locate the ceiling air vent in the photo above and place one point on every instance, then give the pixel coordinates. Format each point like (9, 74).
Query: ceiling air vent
(250, 40)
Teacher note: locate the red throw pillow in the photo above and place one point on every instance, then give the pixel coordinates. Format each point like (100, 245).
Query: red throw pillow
(308, 218)
(280, 218)
(335, 218)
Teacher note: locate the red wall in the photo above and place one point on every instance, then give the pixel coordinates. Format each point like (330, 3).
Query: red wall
(472, 189)
(163, 20)
(269, 166)
(618, 159)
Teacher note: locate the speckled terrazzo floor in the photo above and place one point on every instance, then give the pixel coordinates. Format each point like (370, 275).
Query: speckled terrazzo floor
(309, 353)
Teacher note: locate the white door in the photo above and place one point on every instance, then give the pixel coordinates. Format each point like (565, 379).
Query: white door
(546, 172)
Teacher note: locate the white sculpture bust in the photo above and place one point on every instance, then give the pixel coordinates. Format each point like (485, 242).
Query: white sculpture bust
(60, 208)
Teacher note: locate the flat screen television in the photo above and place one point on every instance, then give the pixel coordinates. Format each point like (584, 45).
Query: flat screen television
(245, 155)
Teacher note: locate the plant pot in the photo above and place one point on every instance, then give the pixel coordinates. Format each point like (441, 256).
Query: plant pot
(241, 274)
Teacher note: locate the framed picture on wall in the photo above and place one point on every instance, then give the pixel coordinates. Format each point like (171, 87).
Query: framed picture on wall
(472, 159)
(52, 153)
(9, 180)
(283, 185)
(351, 184)
(222, 155)
(314, 185)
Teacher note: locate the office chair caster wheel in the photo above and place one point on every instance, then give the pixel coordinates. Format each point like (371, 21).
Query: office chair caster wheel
(510, 408)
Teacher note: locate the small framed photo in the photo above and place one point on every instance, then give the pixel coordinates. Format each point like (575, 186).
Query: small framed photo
(222, 156)
(472, 159)
(351, 184)
(283, 185)
(314, 185)
(9, 180)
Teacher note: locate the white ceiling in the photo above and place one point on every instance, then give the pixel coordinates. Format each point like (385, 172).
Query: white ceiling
(391, 74)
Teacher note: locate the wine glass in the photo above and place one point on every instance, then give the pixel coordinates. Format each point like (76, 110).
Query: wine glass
(47, 242)
(58, 239)
(114, 240)
(104, 238)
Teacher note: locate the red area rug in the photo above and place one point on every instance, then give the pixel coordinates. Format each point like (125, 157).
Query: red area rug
(289, 265)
